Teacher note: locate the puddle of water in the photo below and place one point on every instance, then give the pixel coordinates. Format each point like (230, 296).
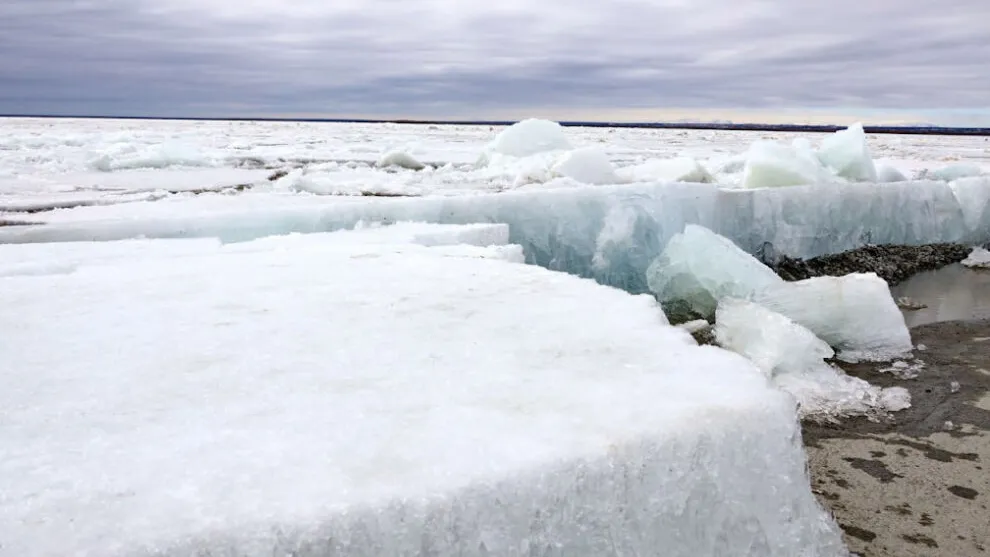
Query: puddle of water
(951, 293)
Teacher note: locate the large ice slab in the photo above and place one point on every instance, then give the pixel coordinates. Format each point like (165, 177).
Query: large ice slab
(699, 268)
(793, 358)
(855, 314)
(562, 228)
(350, 399)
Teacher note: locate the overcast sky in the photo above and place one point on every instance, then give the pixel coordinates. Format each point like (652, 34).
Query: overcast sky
(490, 58)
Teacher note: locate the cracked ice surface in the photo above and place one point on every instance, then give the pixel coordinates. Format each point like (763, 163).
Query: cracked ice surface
(377, 392)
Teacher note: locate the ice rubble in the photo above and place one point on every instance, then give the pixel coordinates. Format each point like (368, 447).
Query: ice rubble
(956, 172)
(792, 357)
(699, 267)
(530, 137)
(847, 153)
(309, 438)
(400, 159)
(678, 169)
(855, 314)
(123, 156)
(588, 165)
(770, 164)
(887, 174)
(979, 258)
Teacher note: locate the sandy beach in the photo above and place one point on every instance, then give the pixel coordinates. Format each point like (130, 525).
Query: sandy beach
(917, 484)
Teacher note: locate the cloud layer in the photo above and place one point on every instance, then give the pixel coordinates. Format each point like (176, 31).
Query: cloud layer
(436, 58)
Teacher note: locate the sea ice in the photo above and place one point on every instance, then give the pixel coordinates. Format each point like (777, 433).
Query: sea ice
(771, 164)
(401, 159)
(679, 169)
(973, 195)
(855, 314)
(363, 399)
(588, 165)
(699, 267)
(124, 156)
(561, 228)
(847, 153)
(979, 258)
(888, 174)
(530, 137)
(956, 171)
(775, 343)
(793, 358)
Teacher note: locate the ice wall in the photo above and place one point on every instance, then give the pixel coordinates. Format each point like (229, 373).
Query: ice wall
(611, 233)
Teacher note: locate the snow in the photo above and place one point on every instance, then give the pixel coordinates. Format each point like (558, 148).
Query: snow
(700, 268)
(847, 153)
(358, 395)
(979, 258)
(792, 357)
(855, 314)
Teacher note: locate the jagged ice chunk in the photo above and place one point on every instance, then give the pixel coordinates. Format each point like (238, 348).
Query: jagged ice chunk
(855, 314)
(699, 267)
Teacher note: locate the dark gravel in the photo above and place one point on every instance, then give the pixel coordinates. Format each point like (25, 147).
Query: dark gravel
(893, 263)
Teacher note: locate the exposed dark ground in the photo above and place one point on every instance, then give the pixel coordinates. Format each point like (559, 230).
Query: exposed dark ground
(892, 263)
(918, 483)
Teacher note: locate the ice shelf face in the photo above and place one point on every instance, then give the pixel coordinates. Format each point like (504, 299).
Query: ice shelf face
(575, 229)
(306, 397)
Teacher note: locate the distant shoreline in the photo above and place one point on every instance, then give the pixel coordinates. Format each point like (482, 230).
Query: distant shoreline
(801, 128)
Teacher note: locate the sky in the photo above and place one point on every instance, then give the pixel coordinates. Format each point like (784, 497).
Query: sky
(800, 60)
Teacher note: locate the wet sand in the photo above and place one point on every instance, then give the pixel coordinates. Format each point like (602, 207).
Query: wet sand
(917, 484)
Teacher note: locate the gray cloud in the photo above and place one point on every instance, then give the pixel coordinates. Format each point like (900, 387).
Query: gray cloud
(440, 57)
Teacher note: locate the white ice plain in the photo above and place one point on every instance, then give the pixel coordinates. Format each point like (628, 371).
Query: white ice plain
(380, 397)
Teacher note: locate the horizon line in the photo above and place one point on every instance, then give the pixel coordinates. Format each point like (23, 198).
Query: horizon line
(908, 129)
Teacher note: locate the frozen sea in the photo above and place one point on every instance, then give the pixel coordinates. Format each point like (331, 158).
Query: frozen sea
(261, 338)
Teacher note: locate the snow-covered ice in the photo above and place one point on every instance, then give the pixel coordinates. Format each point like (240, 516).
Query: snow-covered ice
(372, 397)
